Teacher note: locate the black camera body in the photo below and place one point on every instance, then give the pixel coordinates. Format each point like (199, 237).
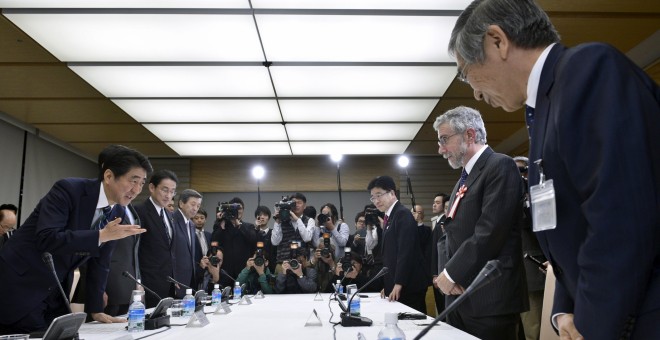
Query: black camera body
(214, 260)
(230, 210)
(259, 259)
(325, 252)
(371, 216)
(346, 260)
(323, 218)
(285, 206)
(294, 263)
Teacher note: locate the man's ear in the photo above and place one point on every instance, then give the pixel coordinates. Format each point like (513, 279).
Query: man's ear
(498, 40)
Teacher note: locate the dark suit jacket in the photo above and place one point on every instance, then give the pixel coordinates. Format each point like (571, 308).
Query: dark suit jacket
(199, 272)
(60, 224)
(157, 259)
(438, 259)
(486, 226)
(596, 129)
(184, 253)
(402, 253)
(124, 258)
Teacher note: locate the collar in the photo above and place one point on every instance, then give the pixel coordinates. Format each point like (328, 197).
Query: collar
(158, 207)
(535, 77)
(184, 218)
(103, 199)
(389, 211)
(470, 164)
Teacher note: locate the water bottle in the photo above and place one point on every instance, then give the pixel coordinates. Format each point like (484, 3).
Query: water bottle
(136, 315)
(340, 289)
(216, 295)
(391, 331)
(188, 303)
(355, 303)
(237, 290)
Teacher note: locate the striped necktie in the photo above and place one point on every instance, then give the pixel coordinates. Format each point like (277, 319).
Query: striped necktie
(167, 228)
(464, 175)
(103, 219)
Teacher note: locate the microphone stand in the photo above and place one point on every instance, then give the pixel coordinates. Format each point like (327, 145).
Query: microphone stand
(341, 205)
(488, 273)
(128, 275)
(170, 279)
(348, 320)
(410, 189)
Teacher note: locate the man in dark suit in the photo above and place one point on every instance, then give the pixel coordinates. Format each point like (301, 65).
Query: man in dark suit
(156, 253)
(402, 252)
(7, 222)
(483, 223)
(189, 202)
(75, 222)
(593, 118)
(202, 247)
(438, 252)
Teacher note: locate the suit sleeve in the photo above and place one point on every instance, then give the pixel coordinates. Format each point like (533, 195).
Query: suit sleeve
(407, 238)
(607, 101)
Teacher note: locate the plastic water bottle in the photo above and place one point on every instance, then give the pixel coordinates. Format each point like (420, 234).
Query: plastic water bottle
(188, 303)
(340, 289)
(237, 290)
(391, 331)
(355, 303)
(136, 315)
(216, 295)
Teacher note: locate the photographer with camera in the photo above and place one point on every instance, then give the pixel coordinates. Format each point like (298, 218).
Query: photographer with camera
(291, 225)
(323, 262)
(262, 216)
(355, 275)
(236, 237)
(212, 263)
(329, 222)
(297, 277)
(256, 275)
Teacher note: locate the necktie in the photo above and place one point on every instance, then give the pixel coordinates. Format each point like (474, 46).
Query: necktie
(529, 118)
(103, 219)
(167, 228)
(385, 220)
(464, 175)
(202, 241)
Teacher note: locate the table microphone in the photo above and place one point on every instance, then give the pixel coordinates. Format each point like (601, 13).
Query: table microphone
(170, 279)
(348, 320)
(65, 326)
(491, 271)
(48, 260)
(223, 272)
(128, 275)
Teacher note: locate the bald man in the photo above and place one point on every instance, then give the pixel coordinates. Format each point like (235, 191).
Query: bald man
(7, 222)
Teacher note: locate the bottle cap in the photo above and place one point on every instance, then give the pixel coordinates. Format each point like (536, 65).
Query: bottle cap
(216, 286)
(137, 298)
(238, 283)
(391, 318)
(188, 291)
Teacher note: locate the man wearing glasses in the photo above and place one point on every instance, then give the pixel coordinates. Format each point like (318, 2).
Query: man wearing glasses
(296, 228)
(7, 222)
(156, 251)
(406, 280)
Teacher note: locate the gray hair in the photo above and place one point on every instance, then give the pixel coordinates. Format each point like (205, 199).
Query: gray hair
(462, 118)
(521, 159)
(185, 195)
(523, 22)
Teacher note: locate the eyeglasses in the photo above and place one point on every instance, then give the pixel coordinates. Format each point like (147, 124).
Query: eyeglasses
(378, 196)
(7, 228)
(461, 74)
(443, 140)
(166, 191)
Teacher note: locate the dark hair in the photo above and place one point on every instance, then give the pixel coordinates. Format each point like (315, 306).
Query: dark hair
(262, 209)
(7, 207)
(310, 211)
(384, 182)
(237, 200)
(444, 196)
(120, 160)
(300, 197)
(357, 258)
(187, 194)
(160, 175)
(358, 215)
(201, 211)
(333, 211)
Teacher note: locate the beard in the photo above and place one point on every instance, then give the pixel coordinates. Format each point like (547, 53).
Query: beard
(456, 160)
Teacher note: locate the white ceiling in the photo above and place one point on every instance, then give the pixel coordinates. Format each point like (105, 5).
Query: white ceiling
(265, 77)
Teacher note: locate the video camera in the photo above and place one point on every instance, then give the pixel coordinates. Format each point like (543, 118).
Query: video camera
(259, 259)
(285, 205)
(230, 210)
(371, 215)
(325, 252)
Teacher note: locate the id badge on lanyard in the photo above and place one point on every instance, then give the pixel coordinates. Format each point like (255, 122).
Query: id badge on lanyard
(544, 207)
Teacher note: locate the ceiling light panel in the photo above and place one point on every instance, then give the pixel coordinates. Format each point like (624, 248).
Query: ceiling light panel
(356, 38)
(362, 81)
(352, 110)
(363, 4)
(367, 131)
(230, 148)
(177, 81)
(143, 37)
(349, 148)
(218, 132)
(200, 110)
(124, 4)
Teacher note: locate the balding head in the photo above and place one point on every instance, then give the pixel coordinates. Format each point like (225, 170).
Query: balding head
(7, 221)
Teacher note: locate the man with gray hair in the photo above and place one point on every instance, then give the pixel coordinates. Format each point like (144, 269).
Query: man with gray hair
(593, 118)
(185, 266)
(483, 223)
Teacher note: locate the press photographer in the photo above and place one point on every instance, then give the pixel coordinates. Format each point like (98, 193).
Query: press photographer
(297, 277)
(212, 263)
(291, 225)
(323, 261)
(236, 237)
(354, 275)
(329, 222)
(256, 276)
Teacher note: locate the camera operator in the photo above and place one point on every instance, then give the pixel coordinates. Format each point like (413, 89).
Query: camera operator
(212, 264)
(323, 261)
(236, 237)
(356, 241)
(354, 276)
(291, 225)
(262, 216)
(256, 276)
(297, 277)
(329, 222)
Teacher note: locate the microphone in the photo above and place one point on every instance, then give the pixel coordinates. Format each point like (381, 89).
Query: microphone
(223, 272)
(488, 273)
(170, 279)
(128, 275)
(347, 320)
(48, 260)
